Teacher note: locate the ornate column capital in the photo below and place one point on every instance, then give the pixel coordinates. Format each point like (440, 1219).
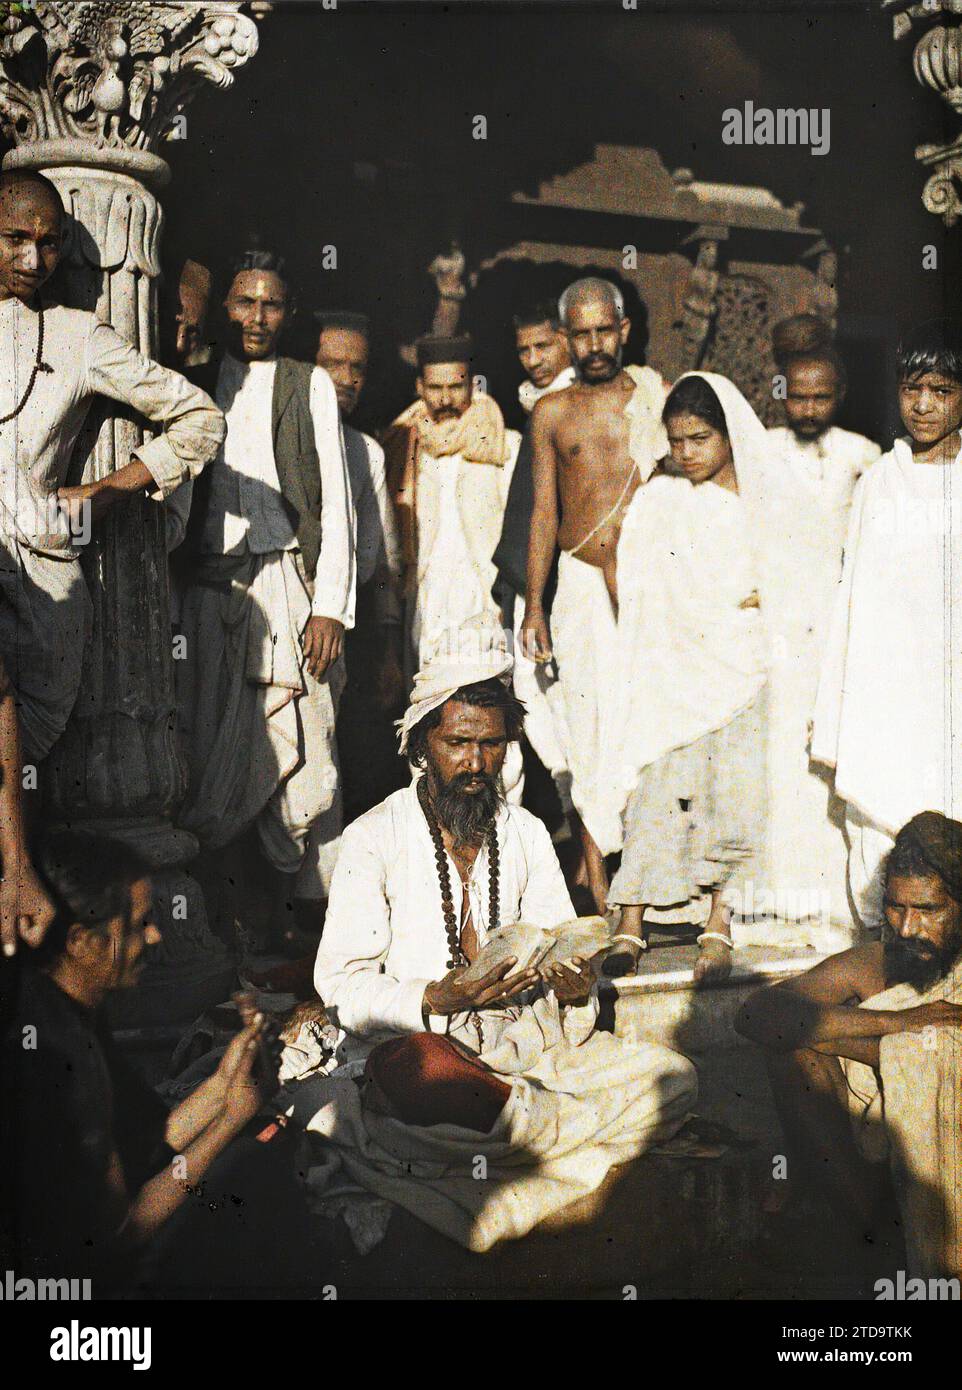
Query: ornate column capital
(102, 81)
(937, 62)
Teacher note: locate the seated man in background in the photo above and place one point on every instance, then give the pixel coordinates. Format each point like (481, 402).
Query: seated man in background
(102, 1181)
(853, 1041)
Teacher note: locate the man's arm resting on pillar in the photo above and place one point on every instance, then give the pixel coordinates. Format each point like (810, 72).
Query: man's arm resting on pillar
(193, 427)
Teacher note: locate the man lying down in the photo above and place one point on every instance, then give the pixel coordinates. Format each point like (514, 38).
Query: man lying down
(436, 1072)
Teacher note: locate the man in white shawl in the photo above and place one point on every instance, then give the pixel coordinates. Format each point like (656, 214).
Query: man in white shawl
(815, 468)
(508, 1067)
(889, 705)
(864, 1057)
(449, 464)
(684, 773)
(593, 445)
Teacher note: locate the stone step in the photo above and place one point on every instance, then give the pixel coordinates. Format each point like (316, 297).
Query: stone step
(661, 1000)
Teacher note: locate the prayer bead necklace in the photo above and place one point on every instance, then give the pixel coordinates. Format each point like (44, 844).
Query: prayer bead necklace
(38, 366)
(456, 956)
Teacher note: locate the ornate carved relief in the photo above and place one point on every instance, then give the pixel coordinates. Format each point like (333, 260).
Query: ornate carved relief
(115, 72)
(937, 61)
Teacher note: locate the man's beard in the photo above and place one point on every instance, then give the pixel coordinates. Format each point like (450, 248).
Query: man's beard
(466, 815)
(904, 964)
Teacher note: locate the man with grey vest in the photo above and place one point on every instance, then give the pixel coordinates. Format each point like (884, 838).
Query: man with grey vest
(269, 592)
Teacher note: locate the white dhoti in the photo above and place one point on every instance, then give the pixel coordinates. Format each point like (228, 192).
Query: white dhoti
(45, 620)
(259, 728)
(575, 1110)
(584, 641)
(544, 719)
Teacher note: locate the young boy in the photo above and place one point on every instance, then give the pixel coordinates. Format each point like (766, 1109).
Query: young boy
(890, 693)
(686, 752)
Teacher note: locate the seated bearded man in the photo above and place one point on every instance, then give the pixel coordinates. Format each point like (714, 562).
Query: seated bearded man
(509, 1067)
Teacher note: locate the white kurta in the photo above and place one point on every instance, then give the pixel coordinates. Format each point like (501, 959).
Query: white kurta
(460, 512)
(889, 704)
(259, 728)
(580, 1100)
(44, 621)
(245, 513)
(806, 849)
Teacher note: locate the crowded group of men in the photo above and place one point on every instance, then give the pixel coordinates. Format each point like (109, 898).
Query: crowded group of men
(731, 648)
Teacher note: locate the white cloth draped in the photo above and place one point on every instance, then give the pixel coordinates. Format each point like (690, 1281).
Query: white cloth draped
(580, 1101)
(691, 656)
(917, 1095)
(814, 482)
(889, 701)
(460, 512)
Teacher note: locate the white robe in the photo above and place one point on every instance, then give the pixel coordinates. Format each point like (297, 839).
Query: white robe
(698, 658)
(889, 704)
(46, 612)
(580, 1100)
(814, 482)
(460, 513)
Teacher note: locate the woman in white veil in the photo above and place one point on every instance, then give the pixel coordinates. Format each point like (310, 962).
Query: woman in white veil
(684, 759)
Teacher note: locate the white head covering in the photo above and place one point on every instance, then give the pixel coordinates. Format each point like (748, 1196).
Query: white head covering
(461, 655)
(695, 652)
(750, 445)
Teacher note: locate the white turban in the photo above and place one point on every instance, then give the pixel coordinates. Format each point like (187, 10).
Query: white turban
(461, 655)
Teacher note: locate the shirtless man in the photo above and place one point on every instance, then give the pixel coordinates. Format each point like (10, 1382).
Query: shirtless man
(593, 445)
(812, 1025)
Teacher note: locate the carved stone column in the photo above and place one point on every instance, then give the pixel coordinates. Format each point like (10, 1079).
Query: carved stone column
(86, 91)
(937, 62)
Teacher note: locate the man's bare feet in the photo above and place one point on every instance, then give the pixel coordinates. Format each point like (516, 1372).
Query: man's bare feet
(714, 962)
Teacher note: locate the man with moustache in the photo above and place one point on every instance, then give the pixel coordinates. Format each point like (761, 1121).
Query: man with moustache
(53, 362)
(449, 464)
(543, 352)
(375, 687)
(271, 590)
(864, 1054)
(509, 1066)
(593, 445)
(817, 467)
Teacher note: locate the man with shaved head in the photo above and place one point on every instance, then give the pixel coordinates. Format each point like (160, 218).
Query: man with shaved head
(53, 362)
(593, 445)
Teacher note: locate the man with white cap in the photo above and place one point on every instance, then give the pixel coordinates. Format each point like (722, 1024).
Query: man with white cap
(514, 1057)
